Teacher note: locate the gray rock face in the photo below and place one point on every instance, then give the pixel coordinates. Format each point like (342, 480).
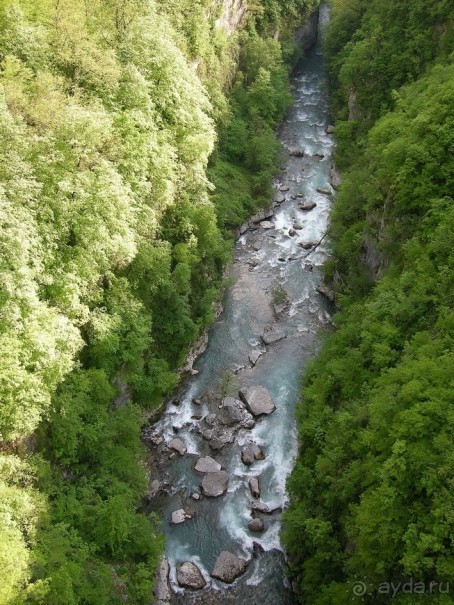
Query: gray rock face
(208, 434)
(210, 419)
(326, 291)
(330, 129)
(335, 177)
(284, 188)
(254, 486)
(177, 445)
(228, 567)
(267, 225)
(256, 525)
(261, 215)
(254, 356)
(161, 587)
(272, 334)
(218, 442)
(324, 191)
(306, 35)
(207, 465)
(190, 576)
(279, 198)
(258, 401)
(308, 206)
(215, 484)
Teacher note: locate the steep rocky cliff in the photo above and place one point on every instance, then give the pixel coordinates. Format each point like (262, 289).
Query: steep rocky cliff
(233, 15)
(306, 35)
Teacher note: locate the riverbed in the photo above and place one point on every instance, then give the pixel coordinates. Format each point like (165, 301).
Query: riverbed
(276, 271)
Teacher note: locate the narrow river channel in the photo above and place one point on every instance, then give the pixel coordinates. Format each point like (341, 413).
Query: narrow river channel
(275, 272)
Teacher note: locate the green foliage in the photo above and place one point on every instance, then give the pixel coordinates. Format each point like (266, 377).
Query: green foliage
(372, 490)
(279, 296)
(248, 151)
(375, 47)
(113, 244)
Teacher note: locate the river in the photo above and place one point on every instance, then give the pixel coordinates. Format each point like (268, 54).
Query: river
(268, 265)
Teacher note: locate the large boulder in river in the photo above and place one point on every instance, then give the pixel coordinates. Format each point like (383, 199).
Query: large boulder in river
(256, 525)
(207, 465)
(262, 215)
(179, 516)
(250, 453)
(272, 334)
(228, 567)
(254, 356)
(190, 576)
(309, 205)
(296, 152)
(177, 445)
(232, 412)
(247, 456)
(258, 400)
(267, 225)
(215, 484)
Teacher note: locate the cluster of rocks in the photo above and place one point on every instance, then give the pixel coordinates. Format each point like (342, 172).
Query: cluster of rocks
(220, 428)
(227, 568)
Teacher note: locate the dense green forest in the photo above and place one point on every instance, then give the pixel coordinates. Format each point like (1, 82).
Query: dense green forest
(372, 494)
(135, 135)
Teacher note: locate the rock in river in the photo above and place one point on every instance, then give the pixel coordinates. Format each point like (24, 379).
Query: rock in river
(250, 453)
(190, 576)
(272, 334)
(207, 465)
(254, 486)
(228, 567)
(177, 445)
(257, 399)
(256, 525)
(215, 484)
(308, 206)
(267, 225)
(262, 215)
(254, 356)
(179, 516)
